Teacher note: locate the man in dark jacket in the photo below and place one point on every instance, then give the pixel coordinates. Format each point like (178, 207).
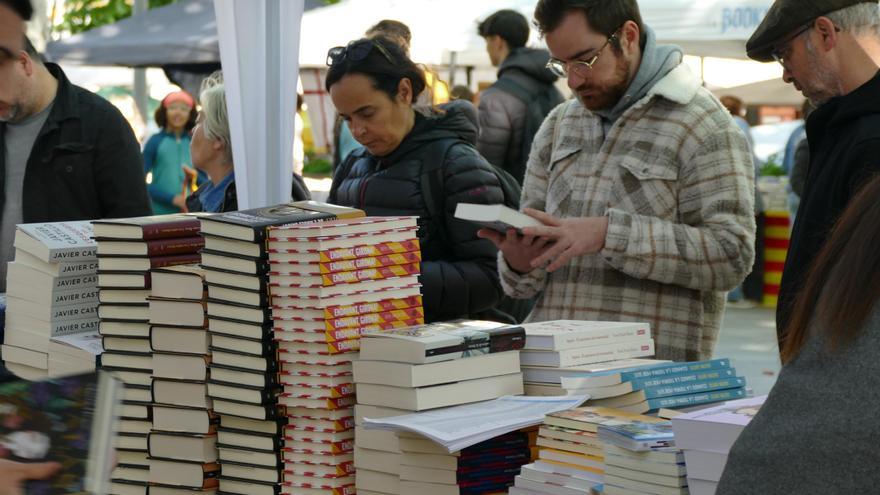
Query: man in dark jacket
(65, 153)
(830, 51)
(504, 115)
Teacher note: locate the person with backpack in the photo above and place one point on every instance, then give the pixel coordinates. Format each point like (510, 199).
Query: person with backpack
(513, 108)
(418, 162)
(644, 184)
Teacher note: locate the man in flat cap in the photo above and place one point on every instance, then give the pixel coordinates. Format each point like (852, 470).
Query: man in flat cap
(830, 51)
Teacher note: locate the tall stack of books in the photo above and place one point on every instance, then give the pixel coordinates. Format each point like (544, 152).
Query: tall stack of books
(243, 383)
(51, 292)
(128, 249)
(487, 467)
(571, 459)
(554, 348)
(421, 368)
(331, 282)
(706, 436)
(669, 386)
(641, 457)
(182, 442)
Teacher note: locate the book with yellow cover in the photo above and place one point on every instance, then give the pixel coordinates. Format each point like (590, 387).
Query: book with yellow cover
(590, 418)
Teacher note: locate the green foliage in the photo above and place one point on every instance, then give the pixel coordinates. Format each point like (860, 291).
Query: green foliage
(82, 15)
(318, 167)
(772, 167)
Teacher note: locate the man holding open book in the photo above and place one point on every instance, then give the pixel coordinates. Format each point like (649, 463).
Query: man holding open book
(644, 185)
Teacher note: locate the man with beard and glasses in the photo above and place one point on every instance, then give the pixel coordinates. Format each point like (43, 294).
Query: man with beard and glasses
(644, 185)
(830, 52)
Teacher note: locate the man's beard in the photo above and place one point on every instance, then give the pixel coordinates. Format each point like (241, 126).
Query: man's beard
(606, 95)
(823, 84)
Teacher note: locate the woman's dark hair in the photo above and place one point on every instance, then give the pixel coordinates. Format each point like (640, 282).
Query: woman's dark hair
(21, 7)
(841, 289)
(385, 63)
(510, 25)
(604, 16)
(161, 117)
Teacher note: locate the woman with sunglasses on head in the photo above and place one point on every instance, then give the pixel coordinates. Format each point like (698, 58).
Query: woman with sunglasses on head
(374, 85)
(166, 154)
(817, 432)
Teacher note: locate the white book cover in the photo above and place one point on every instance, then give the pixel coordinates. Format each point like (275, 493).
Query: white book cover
(568, 334)
(58, 241)
(587, 355)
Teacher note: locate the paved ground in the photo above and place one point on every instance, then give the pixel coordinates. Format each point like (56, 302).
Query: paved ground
(748, 338)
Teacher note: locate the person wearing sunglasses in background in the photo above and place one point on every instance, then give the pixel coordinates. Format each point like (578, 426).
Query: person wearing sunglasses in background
(644, 183)
(830, 51)
(374, 86)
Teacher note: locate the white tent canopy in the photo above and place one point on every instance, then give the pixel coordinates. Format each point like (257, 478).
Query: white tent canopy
(716, 28)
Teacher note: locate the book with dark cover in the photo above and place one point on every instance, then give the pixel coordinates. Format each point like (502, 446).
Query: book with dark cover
(252, 225)
(138, 263)
(147, 228)
(156, 247)
(234, 262)
(66, 422)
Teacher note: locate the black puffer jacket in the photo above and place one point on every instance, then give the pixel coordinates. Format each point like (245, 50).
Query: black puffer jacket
(503, 115)
(459, 273)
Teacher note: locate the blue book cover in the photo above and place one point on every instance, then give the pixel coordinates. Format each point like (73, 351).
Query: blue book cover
(674, 369)
(683, 378)
(636, 435)
(693, 387)
(697, 399)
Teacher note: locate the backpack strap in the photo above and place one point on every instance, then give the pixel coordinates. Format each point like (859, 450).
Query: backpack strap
(520, 92)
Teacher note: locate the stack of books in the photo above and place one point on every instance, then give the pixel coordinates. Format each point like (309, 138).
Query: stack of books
(663, 386)
(421, 368)
(641, 458)
(128, 249)
(561, 347)
(182, 442)
(571, 459)
(244, 380)
(706, 436)
(51, 292)
(484, 468)
(331, 282)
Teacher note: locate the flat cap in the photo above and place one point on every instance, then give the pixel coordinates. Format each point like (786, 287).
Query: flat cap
(784, 17)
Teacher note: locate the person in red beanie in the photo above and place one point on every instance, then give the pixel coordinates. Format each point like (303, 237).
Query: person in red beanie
(166, 154)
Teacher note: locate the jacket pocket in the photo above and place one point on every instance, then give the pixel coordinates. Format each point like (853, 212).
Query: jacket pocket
(71, 166)
(646, 188)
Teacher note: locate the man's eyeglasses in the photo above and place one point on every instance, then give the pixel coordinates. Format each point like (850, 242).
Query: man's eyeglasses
(781, 50)
(356, 51)
(580, 67)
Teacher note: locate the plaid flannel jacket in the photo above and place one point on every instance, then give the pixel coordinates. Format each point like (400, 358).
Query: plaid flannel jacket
(675, 178)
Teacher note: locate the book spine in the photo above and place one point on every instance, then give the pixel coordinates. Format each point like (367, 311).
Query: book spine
(75, 282)
(177, 259)
(188, 227)
(380, 249)
(608, 352)
(66, 327)
(370, 262)
(346, 333)
(87, 267)
(693, 387)
(370, 274)
(683, 378)
(301, 469)
(587, 338)
(373, 307)
(675, 369)
(166, 247)
(696, 399)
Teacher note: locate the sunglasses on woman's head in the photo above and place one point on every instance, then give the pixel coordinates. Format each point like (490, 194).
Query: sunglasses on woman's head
(356, 51)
